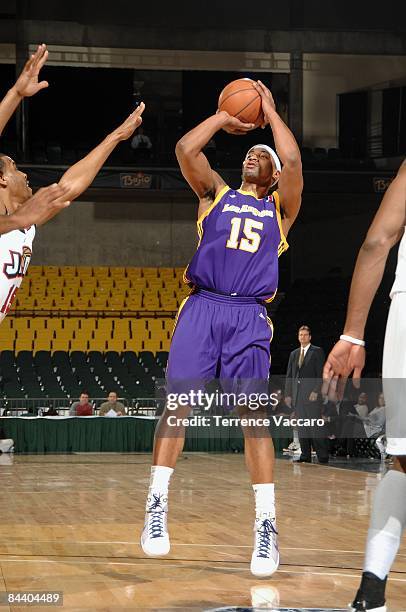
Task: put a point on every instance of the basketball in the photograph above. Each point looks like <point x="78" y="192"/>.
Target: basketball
<point x="240" y="99"/>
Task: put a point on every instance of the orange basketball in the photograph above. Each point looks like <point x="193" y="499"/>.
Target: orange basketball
<point x="241" y="100"/>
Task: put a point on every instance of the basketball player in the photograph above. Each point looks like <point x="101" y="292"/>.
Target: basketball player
<point x="15" y="193"/>
<point x="388" y="518"/>
<point x="47" y="200"/>
<point x="222" y="327"/>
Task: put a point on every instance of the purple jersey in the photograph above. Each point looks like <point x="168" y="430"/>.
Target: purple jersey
<point x="240" y="240"/>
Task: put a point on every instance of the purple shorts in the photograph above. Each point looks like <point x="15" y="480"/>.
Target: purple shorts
<point x="220" y="337"/>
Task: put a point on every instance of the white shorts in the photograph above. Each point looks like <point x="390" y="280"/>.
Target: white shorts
<point x="394" y="376"/>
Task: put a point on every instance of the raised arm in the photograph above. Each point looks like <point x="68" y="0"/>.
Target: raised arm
<point x="194" y="165"/>
<point x="385" y="231"/>
<point x="290" y="184"/>
<point x="78" y="178"/>
<point x="26" y="85"/>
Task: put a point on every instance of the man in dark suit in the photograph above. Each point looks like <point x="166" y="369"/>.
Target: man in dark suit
<point x="302" y="391"/>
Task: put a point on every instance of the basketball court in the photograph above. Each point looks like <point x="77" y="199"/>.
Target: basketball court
<point x="71" y="523"/>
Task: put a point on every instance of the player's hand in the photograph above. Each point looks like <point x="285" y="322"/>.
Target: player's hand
<point x="288" y="401"/>
<point x="236" y="127"/>
<point x="127" y="129"/>
<point x="268" y="103"/>
<point x="345" y="358"/>
<point x="27" y="83"/>
<point x="313" y="396"/>
<point x="46" y="201"/>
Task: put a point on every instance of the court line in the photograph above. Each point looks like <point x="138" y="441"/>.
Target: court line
<point x="105" y="562"/>
<point x="132" y="543"/>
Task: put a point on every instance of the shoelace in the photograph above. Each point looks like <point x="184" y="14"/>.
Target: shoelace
<point x="265" y="532"/>
<point x="157" y="513"/>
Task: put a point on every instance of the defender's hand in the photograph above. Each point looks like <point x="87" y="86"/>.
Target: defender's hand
<point x="343" y="359"/>
<point x="46" y="201"/>
<point x="27" y="83"/>
<point x="268" y="103"/>
<point x="313" y="396"/>
<point x="127" y="129"/>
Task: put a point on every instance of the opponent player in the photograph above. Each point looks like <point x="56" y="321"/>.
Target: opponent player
<point x="222" y="328"/>
<point x="15" y="192"/>
<point x="388" y="518"/>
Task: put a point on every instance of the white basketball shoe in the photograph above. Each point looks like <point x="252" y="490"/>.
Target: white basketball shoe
<point x="155" y="537"/>
<point x="265" y="556"/>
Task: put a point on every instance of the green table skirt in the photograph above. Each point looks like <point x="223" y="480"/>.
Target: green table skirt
<point x="101" y="434"/>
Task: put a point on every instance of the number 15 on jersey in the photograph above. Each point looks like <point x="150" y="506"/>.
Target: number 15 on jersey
<point x="250" y="240"/>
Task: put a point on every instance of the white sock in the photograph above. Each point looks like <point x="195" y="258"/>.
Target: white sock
<point x="296" y="436"/>
<point x="388" y="519"/>
<point x="264" y="499"/>
<point x="160" y="477"/>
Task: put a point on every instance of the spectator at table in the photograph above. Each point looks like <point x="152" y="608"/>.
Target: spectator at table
<point x="83" y="407"/>
<point x="112" y="404"/>
<point x="51" y="411"/>
<point x="6" y="444"/>
<point x="279" y="406"/>
<point x="374" y="422"/>
<point x="353" y="428"/>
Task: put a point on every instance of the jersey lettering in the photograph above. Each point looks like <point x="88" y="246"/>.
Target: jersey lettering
<point x="18" y="266"/>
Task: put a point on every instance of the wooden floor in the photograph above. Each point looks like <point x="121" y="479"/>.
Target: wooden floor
<point x="72" y="524"/>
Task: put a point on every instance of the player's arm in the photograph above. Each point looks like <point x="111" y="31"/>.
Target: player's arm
<point x="385" y="231"/>
<point x="47" y="201"/>
<point x="194" y="165"/>
<point x="26" y="85"/>
<point x="290" y="185"/>
<point x="78" y="178"/>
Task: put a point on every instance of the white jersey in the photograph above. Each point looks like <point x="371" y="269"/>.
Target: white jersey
<point x="399" y="286"/>
<point x="15" y="257"/>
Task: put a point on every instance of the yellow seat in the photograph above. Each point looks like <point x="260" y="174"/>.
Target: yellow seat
<point x="42" y="344"/>
<point x="63" y="303"/>
<point x="97" y="344"/>
<point x="60" y="344"/>
<point x="166" y="273"/>
<point x="20" y="323"/>
<point x="68" y="290"/>
<point x="150" y="272"/>
<point x="85" y="272"/>
<point x="23" y="344"/>
<point x="155" y="324"/>
<point x="79" y="344"/>
<point x="137" y="287"/>
<point x="68" y="270"/>
<point x="134" y="272"/>
<point x="134" y="344"/>
<point x="117" y="271"/>
<point x="44" y="302"/>
<point x="152" y="345"/>
<point x="38" y="287"/>
<point x="38" y="324"/>
<point x="50" y="270"/>
<point x="87" y="324"/>
<point x="122" y="326"/>
<point x="100" y="271"/>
